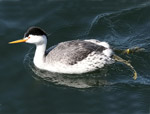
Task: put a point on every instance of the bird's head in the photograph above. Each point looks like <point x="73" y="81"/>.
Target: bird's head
<point x="34" y="35"/>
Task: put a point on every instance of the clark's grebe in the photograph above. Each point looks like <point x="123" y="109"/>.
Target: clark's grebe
<point x="70" y="57"/>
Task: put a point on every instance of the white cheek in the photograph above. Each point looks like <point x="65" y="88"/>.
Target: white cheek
<point x="30" y="40"/>
<point x="38" y="40"/>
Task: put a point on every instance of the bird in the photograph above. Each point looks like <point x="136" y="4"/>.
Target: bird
<point x="69" y="57"/>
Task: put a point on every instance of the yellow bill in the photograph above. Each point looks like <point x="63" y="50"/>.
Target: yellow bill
<point x="18" y="41"/>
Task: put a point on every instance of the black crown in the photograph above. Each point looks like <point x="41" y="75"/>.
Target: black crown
<point x="35" y="31"/>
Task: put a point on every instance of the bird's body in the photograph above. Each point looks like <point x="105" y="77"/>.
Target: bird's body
<point x="75" y="57"/>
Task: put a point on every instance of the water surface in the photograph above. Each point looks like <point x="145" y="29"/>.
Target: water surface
<point x="111" y="90"/>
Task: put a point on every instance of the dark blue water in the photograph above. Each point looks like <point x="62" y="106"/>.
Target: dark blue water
<point x="111" y="90"/>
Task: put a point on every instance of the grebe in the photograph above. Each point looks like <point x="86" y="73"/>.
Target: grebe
<point x="70" y="57"/>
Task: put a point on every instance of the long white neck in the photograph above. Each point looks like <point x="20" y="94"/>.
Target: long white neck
<point x="39" y="57"/>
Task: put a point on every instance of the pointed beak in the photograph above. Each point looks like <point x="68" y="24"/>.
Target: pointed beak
<point x="19" y="41"/>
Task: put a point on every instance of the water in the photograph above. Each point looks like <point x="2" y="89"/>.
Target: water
<point x="111" y="90"/>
